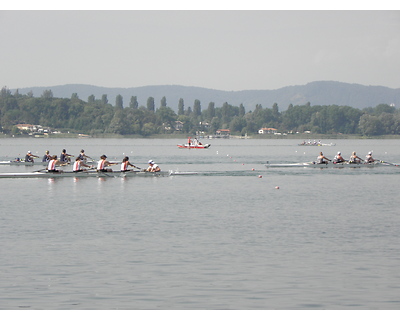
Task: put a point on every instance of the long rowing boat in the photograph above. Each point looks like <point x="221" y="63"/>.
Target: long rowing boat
<point x="91" y="173"/>
<point x="317" y="144"/>
<point x="346" y="164"/>
<point x="20" y="163"/>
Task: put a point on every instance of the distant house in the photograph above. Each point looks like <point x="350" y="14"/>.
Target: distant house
<point x="223" y="132"/>
<point x="26" y="127"/>
<point x="267" y="131"/>
<point x="205" y="125"/>
<point x="178" y="125"/>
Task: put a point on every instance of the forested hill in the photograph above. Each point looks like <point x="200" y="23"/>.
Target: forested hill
<point x="317" y="93"/>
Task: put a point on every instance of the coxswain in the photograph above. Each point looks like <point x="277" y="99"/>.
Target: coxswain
<point x="53" y="163"/>
<point x="321" y="159"/>
<point x="65" y="157"/>
<point x="354" y="158"/>
<point x="103" y="164"/>
<point x="368" y="158"/>
<point x="338" y="158"/>
<point x="125" y="164"/>
<point x="78" y="164"/>
<point x="153" y="167"/>
<point x="29" y="157"/>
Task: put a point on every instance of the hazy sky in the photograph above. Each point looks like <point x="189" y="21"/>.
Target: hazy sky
<point x="226" y="50"/>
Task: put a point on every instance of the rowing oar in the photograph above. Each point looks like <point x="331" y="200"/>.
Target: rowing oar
<point x="103" y="173"/>
<point x="389" y="163"/>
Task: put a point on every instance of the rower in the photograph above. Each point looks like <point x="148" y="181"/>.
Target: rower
<point x="83" y="156"/>
<point x="51" y="167"/>
<point x="321" y="159"/>
<point x="354" y="158"/>
<point x="369" y="158"/>
<point x="78" y="164"/>
<point x="65" y="157"/>
<point x="153" y="167"/>
<point x="104" y="163"/>
<point x="125" y="163"/>
<point x="338" y="158"/>
<point x="29" y="157"/>
<point x="47" y="157"/>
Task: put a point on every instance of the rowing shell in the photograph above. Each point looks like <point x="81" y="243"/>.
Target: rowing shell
<point x="317" y="144"/>
<point x="64" y="174"/>
<point x="20" y="163"/>
<point x="331" y="165"/>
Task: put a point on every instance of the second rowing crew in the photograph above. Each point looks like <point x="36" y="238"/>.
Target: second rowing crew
<point x="102" y="165"/>
<point x="321" y="159"/>
<point x="65" y="158"/>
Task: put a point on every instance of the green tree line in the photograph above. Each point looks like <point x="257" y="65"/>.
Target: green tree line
<point x="98" y="116"/>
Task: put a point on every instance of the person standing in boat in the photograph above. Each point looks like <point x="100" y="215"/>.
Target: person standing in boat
<point x="321" y="159"/>
<point x="29" y="157"/>
<point x="46" y="157"/>
<point x="354" y="158"/>
<point x="125" y="164"/>
<point x="103" y="164"/>
<point x="153" y="167"/>
<point x="338" y="158"/>
<point x="65" y="157"/>
<point x="369" y="158"/>
<point x="78" y="164"/>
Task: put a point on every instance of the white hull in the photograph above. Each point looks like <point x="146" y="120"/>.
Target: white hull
<point x="21" y="163"/>
<point x="330" y="165"/>
<point x="317" y="144"/>
<point x="186" y="146"/>
<point x="45" y="174"/>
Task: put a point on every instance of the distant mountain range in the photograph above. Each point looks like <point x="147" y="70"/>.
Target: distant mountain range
<point x="316" y="93"/>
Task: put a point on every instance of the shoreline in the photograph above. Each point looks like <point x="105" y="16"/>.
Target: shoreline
<point x="301" y="137"/>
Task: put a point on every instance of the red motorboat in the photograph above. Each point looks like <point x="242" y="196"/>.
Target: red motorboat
<point x="194" y="144"/>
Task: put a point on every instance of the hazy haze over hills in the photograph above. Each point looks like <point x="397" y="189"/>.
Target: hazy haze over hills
<point x="317" y="93"/>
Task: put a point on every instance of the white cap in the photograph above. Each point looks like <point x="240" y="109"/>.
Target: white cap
<point x="151" y="161"/>
<point x="29" y="152"/>
<point x="338" y="152"/>
<point x="370" y="152"/>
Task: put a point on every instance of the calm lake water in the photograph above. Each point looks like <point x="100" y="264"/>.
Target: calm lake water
<point x="225" y="238"/>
